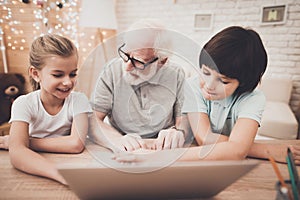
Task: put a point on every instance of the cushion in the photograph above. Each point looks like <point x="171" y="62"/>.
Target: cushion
<point x="278" y="121"/>
<point x="277" y="89"/>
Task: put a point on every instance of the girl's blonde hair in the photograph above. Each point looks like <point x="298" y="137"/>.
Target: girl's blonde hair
<point x="46" y="46"/>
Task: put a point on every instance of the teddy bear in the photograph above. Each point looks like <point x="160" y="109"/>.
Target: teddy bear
<point x="12" y="85"/>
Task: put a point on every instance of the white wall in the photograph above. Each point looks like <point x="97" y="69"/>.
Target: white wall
<point x="282" y="42"/>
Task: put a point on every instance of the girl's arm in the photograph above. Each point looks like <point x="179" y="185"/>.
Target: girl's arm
<point x="73" y="143"/>
<point x="27" y="160"/>
<point x="236" y="147"/>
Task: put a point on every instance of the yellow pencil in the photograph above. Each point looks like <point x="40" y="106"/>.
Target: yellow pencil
<point x="277" y="172"/>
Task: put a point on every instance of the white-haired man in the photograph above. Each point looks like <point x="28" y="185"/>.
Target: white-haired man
<point x="141" y="93"/>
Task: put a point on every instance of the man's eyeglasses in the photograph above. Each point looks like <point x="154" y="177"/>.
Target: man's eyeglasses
<point x="136" y="63"/>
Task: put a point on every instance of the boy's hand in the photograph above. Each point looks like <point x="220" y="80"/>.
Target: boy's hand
<point x="296" y="153"/>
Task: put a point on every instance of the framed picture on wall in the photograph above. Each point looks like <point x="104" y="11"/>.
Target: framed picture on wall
<point x="273" y="14"/>
<point x="203" y="21"/>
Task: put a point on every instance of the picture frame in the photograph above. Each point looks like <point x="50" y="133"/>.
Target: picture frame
<point x="273" y="15"/>
<point x="203" y="21"/>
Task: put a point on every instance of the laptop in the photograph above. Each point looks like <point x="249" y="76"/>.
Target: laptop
<point x="180" y="180"/>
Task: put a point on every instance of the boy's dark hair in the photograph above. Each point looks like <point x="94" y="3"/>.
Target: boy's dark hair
<point x="236" y="53"/>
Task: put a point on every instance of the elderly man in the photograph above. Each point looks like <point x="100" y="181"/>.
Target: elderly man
<point x="141" y="93"/>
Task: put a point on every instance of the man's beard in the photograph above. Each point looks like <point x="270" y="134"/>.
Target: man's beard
<point x="136" y="77"/>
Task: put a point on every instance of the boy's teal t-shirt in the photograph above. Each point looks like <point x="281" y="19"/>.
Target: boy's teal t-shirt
<point x="223" y="114"/>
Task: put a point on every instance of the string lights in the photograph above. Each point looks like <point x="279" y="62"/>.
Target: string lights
<point x="48" y="16"/>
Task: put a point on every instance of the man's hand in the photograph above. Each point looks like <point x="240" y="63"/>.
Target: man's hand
<point x="129" y="142"/>
<point x="4" y="142"/>
<point x="169" y="139"/>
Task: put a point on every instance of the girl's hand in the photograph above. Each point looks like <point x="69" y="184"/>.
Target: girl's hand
<point x="4" y="142"/>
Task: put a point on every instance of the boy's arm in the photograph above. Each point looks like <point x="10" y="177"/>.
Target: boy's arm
<point x="27" y="160"/>
<point x="235" y="147"/>
<point x="201" y="129"/>
<point x="277" y="149"/>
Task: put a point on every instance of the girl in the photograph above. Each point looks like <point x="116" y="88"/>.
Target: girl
<point x="52" y="118"/>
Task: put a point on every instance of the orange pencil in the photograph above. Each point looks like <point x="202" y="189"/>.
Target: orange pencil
<point x="275" y="167"/>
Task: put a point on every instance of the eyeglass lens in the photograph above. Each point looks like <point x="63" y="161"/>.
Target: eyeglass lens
<point x="136" y="63"/>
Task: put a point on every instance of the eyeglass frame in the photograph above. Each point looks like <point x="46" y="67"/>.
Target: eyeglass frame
<point x="133" y="60"/>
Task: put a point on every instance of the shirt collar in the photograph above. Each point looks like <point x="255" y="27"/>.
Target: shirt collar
<point x="226" y="102"/>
